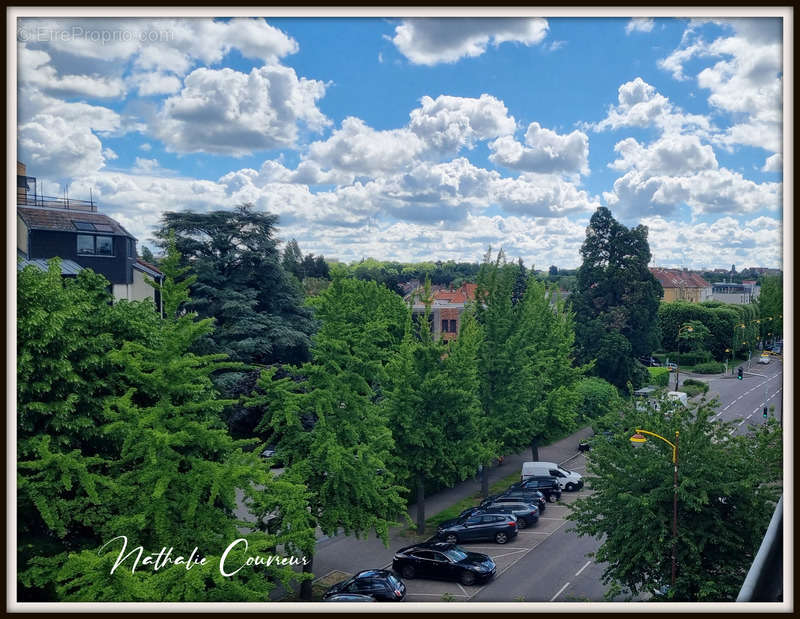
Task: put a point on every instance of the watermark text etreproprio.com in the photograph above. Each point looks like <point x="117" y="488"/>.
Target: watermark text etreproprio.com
<point x="34" y="34"/>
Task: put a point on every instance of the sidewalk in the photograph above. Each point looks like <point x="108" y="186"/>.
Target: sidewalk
<point x="349" y="555"/>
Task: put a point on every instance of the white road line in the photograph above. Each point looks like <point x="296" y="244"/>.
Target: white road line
<point x="438" y="595"/>
<point x="462" y="589"/>
<point x="559" y="592"/>
<point x="583" y="568"/>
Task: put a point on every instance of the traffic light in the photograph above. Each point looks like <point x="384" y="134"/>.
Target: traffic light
<point x="740" y="375"/>
<point x="765" y="413"/>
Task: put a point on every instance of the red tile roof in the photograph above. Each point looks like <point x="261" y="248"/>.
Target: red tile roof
<point x="675" y="278"/>
<point x="460" y="295"/>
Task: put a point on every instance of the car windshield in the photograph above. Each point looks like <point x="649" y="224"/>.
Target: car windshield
<point x="456" y="554"/>
<point x="393" y="581"/>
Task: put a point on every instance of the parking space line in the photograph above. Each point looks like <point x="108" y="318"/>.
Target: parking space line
<point x="583" y="568"/>
<point x="559" y="592"/>
<point x="462" y="589"/>
<point x="438" y="595"/>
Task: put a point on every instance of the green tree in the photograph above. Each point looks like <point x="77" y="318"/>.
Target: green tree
<point x="598" y="398"/>
<point x="433" y="407"/>
<point x="527" y="374"/>
<point x="727" y="489"/>
<point x="328" y="425"/>
<point x="292" y="260"/>
<point x="616" y="300"/>
<point x="770" y="307"/>
<point x="258" y="312"/>
<point x="150" y="459"/>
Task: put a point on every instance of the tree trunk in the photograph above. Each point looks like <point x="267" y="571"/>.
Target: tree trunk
<point x="420" y="504"/>
<point x="305" y="586"/>
<point x="485" y="480"/>
<point x="534" y="450"/>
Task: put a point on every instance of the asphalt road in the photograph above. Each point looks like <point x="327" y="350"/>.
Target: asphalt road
<point x="558" y="570"/>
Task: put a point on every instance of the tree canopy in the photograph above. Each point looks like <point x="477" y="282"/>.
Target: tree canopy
<point x="325" y="415"/>
<point x="136" y="448"/>
<point x="258" y="309"/>
<point x="728" y="486"/>
<point x="433" y="408"/>
<point x="616" y="300"/>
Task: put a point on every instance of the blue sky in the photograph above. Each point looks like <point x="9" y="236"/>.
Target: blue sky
<point x="420" y="139"/>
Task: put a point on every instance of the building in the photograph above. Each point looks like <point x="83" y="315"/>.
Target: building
<point x="682" y="285"/>
<point x="446" y="308"/>
<point x="83" y="238"/>
<point x="732" y="292"/>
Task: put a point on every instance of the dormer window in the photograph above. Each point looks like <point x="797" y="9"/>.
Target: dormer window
<point x="95" y="245"/>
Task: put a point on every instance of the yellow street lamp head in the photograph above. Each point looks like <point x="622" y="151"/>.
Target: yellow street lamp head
<point x="638" y="439"/>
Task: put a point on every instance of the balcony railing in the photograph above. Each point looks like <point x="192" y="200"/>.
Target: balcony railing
<point x="764" y="582"/>
<point x="56" y="202"/>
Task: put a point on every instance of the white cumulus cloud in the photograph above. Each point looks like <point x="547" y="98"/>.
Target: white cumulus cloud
<point x="229" y="112"/>
<point x="430" y="41"/>
<point x="544" y="151"/>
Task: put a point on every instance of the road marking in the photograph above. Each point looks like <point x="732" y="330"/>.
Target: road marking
<point x="438" y="595"/>
<point x="559" y="592"/>
<point x="583" y="568"/>
<point x="462" y="589"/>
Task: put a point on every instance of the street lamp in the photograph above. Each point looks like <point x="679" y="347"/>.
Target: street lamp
<point x="638" y="439"/>
<point x="688" y="329"/>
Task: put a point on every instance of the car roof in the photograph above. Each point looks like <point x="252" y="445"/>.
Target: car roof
<point x="368" y="573"/>
<point x="429" y="545"/>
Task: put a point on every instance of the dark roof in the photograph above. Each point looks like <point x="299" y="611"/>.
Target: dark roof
<point x="64" y="220"/>
<point x="68" y="267"/>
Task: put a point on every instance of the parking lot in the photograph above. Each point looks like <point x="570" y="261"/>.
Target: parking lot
<point x="504" y="555"/>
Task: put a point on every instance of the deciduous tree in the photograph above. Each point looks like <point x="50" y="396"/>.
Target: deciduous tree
<point x="727" y="489"/>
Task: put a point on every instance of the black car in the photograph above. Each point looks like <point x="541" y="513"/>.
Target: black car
<point x="382" y="585"/>
<point x="545" y="484"/>
<point x="443" y="561"/>
<point x="479" y="526"/>
<point x="348" y="597"/>
<point x="526" y="513"/>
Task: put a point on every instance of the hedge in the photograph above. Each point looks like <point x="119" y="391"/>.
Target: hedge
<point x="712" y="367"/>
<point x="659" y="376"/>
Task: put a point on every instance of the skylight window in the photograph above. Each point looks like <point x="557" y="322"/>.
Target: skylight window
<point x="103" y="228"/>
<point x="84" y="225"/>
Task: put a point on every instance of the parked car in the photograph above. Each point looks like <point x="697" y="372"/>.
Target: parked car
<point x="547" y="485"/>
<point x="534" y="497"/>
<point x="479" y="526"/>
<point x="382" y="585"/>
<point x="567" y="480"/>
<point x="527" y="513"/>
<point x="443" y="561"/>
<point x="672" y="366"/>
<point x="348" y="597"/>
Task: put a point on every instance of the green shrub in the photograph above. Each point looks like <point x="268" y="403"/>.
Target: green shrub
<point x="712" y="367"/>
<point x="691" y="357"/>
<point x="598" y="397"/>
<point x="659" y="376"/>
<point x="692" y="390"/>
<point x="696" y="383"/>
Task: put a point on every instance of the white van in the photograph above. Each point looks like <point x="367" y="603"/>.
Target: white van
<point x="567" y="480"/>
